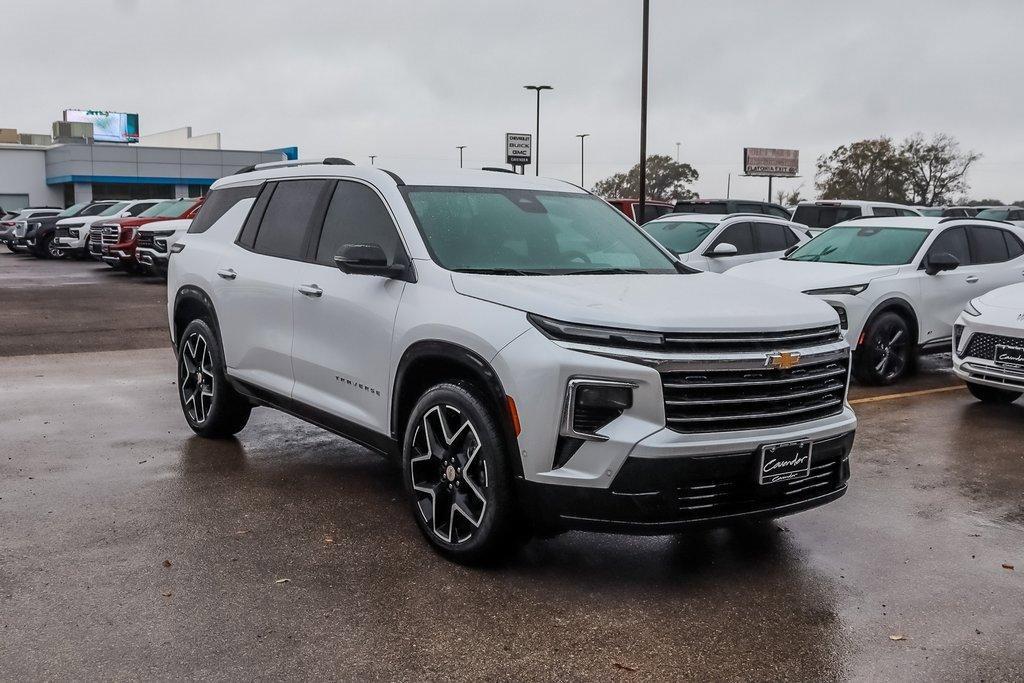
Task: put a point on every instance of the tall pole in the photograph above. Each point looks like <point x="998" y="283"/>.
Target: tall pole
<point x="677" y="151"/>
<point x="770" y="189"/>
<point x="728" y="186"/>
<point x="460" y="148"/>
<point x="582" y="137"/>
<point x="536" y="139"/>
<point x="372" y="157"/>
<point x="643" y="115"/>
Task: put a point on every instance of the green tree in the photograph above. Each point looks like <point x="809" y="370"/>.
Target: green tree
<point x="874" y="170"/>
<point x="666" y="179"/>
<point x="788" y="198"/>
<point x="937" y="168"/>
<point x="982" y="202"/>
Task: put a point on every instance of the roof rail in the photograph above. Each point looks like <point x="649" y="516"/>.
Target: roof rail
<point x="288" y="163"/>
<point x="974" y="218"/>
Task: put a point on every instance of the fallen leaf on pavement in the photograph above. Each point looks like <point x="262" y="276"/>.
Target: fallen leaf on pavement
<point x="1008" y="566"/>
<point x="167" y="563"/>
<point x="897" y="637"/>
<point x="283" y="581"/>
<point x="167" y="595"/>
<point x="328" y="539"/>
<point x="624" y="667"/>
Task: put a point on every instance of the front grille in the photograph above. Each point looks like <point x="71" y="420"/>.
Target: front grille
<point x="147" y="240"/>
<point x="710" y="400"/>
<point x="111" y="233"/>
<point x="715" y="342"/>
<point x="95" y="239"/>
<point x="62" y="232"/>
<point x="984" y="345"/>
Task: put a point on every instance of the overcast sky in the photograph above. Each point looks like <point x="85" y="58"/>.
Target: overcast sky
<point x="408" y="81"/>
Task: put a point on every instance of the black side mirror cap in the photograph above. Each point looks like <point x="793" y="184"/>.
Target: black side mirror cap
<point x="370" y="259"/>
<point x="936" y="263"/>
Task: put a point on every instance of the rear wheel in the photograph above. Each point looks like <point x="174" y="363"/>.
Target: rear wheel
<point x="456" y="474"/>
<point x="887" y="352"/>
<point x="211" y="406"/>
<point x="988" y="394"/>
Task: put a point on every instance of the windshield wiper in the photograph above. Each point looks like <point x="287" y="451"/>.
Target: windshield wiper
<point x="607" y="271"/>
<point x="500" y="271"/>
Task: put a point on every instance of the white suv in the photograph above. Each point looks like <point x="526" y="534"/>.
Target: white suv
<point x="519" y="346"/>
<point x="988" y="345"/>
<point x="718" y="243"/>
<point x="823" y="214"/>
<point x="73" y="234"/>
<point x="155" y="241"/>
<point x="898" y="283"/>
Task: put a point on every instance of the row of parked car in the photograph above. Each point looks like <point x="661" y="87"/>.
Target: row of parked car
<point x="132" y="235"/>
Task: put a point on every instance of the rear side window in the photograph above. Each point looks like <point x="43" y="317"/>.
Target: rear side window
<point x="883" y="211"/>
<point x="750" y="208"/>
<point x="822" y="217"/>
<point x="1014" y="247"/>
<point x="778" y="211"/>
<point x="988" y="245"/>
<point x="139" y="208"/>
<point x="285" y="223"/>
<point x="356" y="215"/>
<point x="740" y="236"/>
<point x="952" y="241"/>
<point x="703" y="207"/>
<point x="217" y="204"/>
<point x="907" y="212"/>
<point x="651" y="211"/>
<point x="772" y="237"/>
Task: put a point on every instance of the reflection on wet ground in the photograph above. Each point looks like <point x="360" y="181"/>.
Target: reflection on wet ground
<point x="102" y="483"/>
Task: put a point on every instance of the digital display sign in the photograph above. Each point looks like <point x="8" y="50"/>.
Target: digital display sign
<point x="107" y="126"/>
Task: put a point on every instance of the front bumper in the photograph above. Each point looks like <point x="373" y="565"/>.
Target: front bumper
<point x="979" y="370"/>
<point x="665" y="495"/>
<point x="151" y="257"/>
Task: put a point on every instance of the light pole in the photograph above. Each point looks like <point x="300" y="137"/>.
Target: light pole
<point x="582" y="137"/>
<point x="677" y="151"/>
<point x="643" y="113"/>
<point x="372" y="157"/>
<point x="460" y="148"/>
<point x="536" y="141"/>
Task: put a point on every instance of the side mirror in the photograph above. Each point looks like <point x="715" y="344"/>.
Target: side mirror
<point x="936" y="263"/>
<point x="724" y="249"/>
<point x="369" y="259"/>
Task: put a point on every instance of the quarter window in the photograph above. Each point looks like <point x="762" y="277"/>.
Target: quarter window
<point x="285" y="223"/>
<point x="988" y="245"/>
<point x="356" y="215"/>
<point x="740" y="236"/>
<point x="218" y="203"/>
<point x="1014" y="247"/>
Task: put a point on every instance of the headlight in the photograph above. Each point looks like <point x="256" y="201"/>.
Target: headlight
<point x="592" y="334"/>
<point x="849" y="290"/>
<point x="73" y="233"/>
<point x="971" y="310"/>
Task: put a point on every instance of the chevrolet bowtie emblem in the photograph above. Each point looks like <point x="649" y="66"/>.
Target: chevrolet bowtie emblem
<point x="782" y="361"/>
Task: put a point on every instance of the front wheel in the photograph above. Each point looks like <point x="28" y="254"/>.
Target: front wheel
<point x="887" y="351"/>
<point x="211" y="406"/>
<point x="456" y="474"/>
<point x="987" y="394"/>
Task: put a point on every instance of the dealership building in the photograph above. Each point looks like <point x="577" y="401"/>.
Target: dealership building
<point x="72" y="166"/>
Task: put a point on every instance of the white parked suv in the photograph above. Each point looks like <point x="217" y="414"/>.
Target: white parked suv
<point x="1010" y="214"/>
<point x="519" y="346"/>
<point x="823" y="214"/>
<point x="717" y="243"/>
<point x="988" y="345"/>
<point x="153" y="248"/>
<point x="73" y="234"/>
<point x="898" y="283"/>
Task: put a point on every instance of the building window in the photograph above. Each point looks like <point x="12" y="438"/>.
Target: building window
<point x="197" y="190"/>
<point x="132" y="191"/>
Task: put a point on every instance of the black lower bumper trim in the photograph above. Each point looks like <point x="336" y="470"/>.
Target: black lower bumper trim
<point x="666" y="495"/>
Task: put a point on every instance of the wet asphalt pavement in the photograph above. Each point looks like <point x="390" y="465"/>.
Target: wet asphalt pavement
<point x="130" y="548"/>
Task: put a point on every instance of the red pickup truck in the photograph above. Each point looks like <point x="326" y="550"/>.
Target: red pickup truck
<point x="114" y="242"/>
<point x="653" y="208"/>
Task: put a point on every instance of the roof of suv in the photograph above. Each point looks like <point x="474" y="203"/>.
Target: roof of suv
<point x="718" y="217"/>
<point x="432" y="177"/>
<point x="852" y="202"/>
<point x="919" y="222"/>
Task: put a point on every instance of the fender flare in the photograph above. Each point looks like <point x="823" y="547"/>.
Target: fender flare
<point x="194" y="293"/>
<point x="901" y="304"/>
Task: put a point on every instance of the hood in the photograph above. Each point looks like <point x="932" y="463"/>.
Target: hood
<point x="1005" y="297"/>
<point x="664" y="303"/>
<point x="136" y="221"/>
<point x="172" y="224"/>
<point x="799" y="276"/>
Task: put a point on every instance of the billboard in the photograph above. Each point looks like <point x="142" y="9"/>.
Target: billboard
<point x="518" y="149"/>
<point x="107" y="126"/>
<point x="761" y="161"/>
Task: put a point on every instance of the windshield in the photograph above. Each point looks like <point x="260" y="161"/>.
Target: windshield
<point x="681" y="237"/>
<point x="994" y="214"/>
<point x="865" y="246"/>
<point x="172" y="208"/>
<point x="114" y="209"/>
<point x="931" y="212"/>
<point x="72" y="210"/>
<point x="528" y="232"/>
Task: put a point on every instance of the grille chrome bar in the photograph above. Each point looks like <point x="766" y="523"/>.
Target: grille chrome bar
<point x="756" y="416"/>
<point x="756" y="383"/>
<point x="757" y="399"/>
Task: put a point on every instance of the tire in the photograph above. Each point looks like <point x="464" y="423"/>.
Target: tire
<point x="456" y="475"/>
<point x="211" y="406"/>
<point x="11" y="248"/>
<point x="887" y="353"/>
<point x="48" y="250"/>
<point x="987" y="394"/>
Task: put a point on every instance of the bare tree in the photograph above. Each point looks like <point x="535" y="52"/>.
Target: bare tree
<point x="937" y="168"/>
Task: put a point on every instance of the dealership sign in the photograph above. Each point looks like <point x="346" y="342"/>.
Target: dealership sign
<point x="771" y="162"/>
<point x="518" y="149"/>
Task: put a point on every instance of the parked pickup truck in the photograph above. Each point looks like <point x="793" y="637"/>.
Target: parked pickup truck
<point x="114" y="242"/>
<point x="71" y="234"/>
<point x="154" y="242"/>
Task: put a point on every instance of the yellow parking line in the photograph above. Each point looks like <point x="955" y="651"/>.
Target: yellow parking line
<point x="907" y="394"/>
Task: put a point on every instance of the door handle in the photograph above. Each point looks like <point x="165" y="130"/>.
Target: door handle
<point x="972" y="279"/>
<point x="311" y="290"/>
<point x="227" y="273"/>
